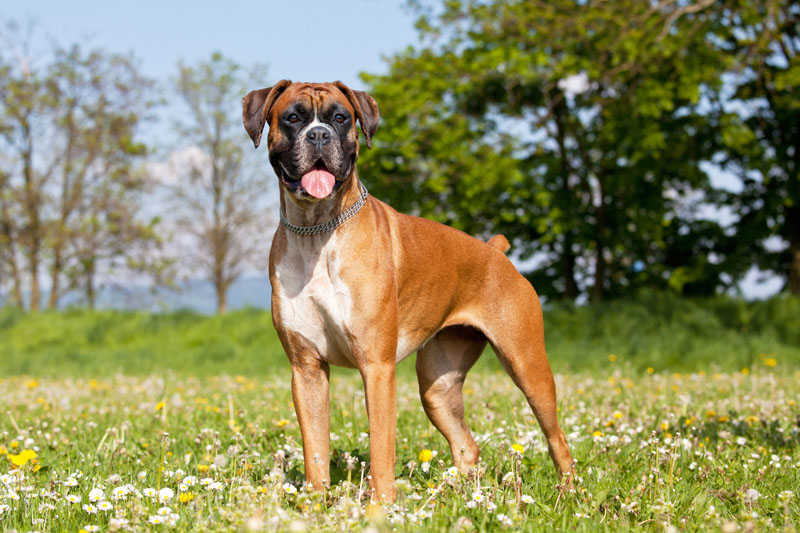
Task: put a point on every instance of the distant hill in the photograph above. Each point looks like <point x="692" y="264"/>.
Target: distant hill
<point x="197" y="295"/>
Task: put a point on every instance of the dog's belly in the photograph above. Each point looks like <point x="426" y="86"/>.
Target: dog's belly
<point x="316" y="304"/>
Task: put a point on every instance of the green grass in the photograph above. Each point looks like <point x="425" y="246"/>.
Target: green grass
<point x="679" y="413"/>
<point x="654" y="330"/>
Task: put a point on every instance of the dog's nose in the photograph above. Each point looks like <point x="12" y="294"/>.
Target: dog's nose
<point x="319" y="136"/>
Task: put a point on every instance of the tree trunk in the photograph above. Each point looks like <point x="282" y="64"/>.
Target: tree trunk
<point x="568" y="263"/>
<point x="222" y="297"/>
<point x="68" y="200"/>
<point x="55" y="271"/>
<point x="91" y="292"/>
<point x="34" y="225"/>
<point x="567" y="256"/>
<point x="16" y="287"/>
<point x="598" y="289"/>
<point x="794" y="270"/>
<point x="793" y="219"/>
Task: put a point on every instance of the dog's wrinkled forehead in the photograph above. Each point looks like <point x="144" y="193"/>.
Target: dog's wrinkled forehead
<point x="312" y="96"/>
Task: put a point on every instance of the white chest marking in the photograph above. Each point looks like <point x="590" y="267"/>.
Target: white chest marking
<point x="314" y="301"/>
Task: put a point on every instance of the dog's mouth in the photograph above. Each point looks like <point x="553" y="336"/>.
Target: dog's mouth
<point x="318" y="181"/>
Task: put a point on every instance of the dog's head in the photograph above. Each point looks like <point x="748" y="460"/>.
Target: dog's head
<point x="312" y="140"/>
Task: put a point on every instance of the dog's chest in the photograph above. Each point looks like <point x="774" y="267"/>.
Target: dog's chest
<point x="315" y="302"/>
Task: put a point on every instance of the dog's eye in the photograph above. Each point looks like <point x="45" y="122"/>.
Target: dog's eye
<point x="339" y="118"/>
<point x="293" y="118"/>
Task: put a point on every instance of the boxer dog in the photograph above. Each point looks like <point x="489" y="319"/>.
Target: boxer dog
<point x="357" y="284"/>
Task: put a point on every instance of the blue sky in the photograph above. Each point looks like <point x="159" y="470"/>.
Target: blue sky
<point x="303" y="40"/>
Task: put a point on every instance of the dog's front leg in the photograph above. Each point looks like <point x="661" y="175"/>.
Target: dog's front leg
<point x="381" y="397"/>
<point x="311" y="394"/>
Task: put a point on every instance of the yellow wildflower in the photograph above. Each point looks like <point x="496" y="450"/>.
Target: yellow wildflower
<point x="160" y="406"/>
<point x="745" y="371"/>
<point x="202" y="468"/>
<point x="771" y="362"/>
<point x="22" y="457"/>
<point x="650" y="369"/>
<point x="282" y="422"/>
<point x="425" y="456"/>
<point x="612" y="357"/>
<point x="185" y="497"/>
<point x="517" y="447"/>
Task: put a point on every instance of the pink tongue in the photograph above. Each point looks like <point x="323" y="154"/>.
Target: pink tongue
<point x="318" y="183"/>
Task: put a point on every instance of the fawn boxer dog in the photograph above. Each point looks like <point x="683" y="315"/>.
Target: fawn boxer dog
<point x="357" y="284"/>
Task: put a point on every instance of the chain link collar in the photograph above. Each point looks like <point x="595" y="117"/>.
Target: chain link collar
<point x="333" y="223"/>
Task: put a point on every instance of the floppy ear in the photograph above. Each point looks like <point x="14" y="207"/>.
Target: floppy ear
<point x="366" y="110"/>
<point x="256" y="106"/>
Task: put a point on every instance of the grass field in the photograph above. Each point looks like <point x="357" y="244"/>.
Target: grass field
<point x="680" y="414"/>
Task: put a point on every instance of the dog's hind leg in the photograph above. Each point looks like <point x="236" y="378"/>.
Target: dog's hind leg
<point x="442" y="365"/>
<point x="521" y="352"/>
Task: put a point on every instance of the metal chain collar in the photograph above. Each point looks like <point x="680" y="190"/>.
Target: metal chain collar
<point x="333" y="223"/>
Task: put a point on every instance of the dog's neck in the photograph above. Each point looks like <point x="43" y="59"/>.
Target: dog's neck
<point x="313" y="212"/>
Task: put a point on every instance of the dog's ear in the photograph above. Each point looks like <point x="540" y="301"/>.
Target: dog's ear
<point x="366" y="110"/>
<point x="256" y="106"/>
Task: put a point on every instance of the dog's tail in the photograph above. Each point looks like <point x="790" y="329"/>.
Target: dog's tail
<point x="499" y="242"/>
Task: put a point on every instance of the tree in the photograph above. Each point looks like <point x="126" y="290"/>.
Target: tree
<point x="23" y="101"/>
<point x="760" y="128"/>
<point x="220" y="198"/>
<point x="100" y="101"/>
<point x="577" y="127"/>
<point x="69" y="135"/>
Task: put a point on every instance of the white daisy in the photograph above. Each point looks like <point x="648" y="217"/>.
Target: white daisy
<point x="165" y="494"/>
<point x="105" y="506"/>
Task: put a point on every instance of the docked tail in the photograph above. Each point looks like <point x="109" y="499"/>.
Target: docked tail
<point x="499" y="242"/>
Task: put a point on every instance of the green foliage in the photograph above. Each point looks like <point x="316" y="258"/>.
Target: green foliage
<point x="574" y="128"/>
<point x="103" y="343"/>
<point x="658" y="330"/>
<point x="666" y="332"/>
<point x="760" y="144"/>
<point x="580" y="130"/>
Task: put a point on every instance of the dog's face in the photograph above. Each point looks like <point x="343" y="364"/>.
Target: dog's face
<point x="312" y="140"/>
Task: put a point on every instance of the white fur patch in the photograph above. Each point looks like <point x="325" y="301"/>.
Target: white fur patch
<point x="313" y="123"/>
<point x="314" y="301"/>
